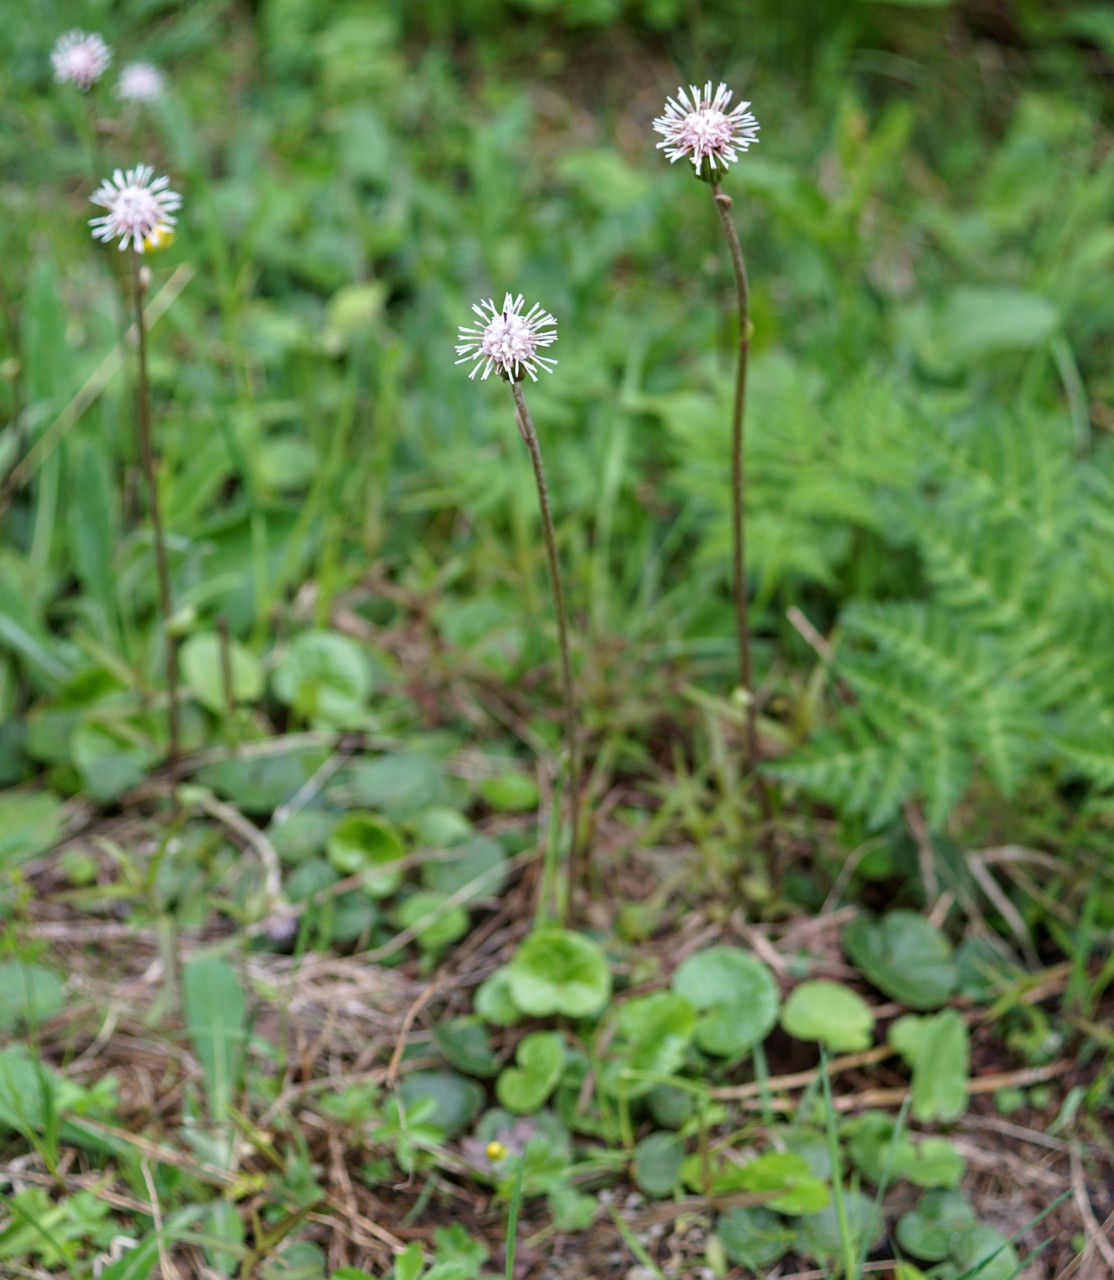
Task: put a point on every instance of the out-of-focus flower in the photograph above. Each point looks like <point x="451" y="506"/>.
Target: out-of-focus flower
<point x="507" y="341"/>
<point x="157" y="242"/>
<point x="80" y="58"/>
<point x="508" y="1143"/>
<point x="140" y="208"/>
<point x="699" y="125"/>
<point x="140" y="82"/>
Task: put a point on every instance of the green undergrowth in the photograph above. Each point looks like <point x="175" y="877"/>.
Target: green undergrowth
<point x="328" y="1014"/>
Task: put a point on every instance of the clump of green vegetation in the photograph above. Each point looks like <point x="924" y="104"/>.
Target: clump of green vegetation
<point x="294" y="981"/>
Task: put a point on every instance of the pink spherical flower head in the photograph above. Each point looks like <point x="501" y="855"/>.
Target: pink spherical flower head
<point x="140" y="82"/>
<point x="699" y="125"/>
<point x="507" y="341"/>
<point x="139" y="209"/>
<point x="80" y="58"/>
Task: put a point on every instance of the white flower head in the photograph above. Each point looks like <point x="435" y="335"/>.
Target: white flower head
<point x="80" y="58"/>
<point x="507" y="341"/>
<point x="699" y="125"/>
<point x="139" y="209"/>
<point x="140" y="82"/>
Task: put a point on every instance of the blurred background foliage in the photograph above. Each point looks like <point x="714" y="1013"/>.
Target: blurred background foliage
<point x="928" y="222"/>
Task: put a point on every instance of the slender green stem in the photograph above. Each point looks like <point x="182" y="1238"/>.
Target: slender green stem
<point x="572" y="731"/>
<point x="162" y="564"/>
<point x="738" y="474"/>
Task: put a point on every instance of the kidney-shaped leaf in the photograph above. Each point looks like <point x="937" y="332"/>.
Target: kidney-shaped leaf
<point x="557" y="971"/>
<point x="754" y="1237"/>
<point x="541" y="1059"/>
<point x="830" y="1013"/>
<point x="905" y="956"/>
<point x="737" y="995"/>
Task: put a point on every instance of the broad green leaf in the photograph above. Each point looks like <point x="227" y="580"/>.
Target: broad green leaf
<point x="653" y="1034"/>
<point x="881" y="1154"/>
<point x="754" y="1237"/>
<point x="493" y="1001"/>
<point x="820" y="1235"/>
<point x="467" y="1045"/>
<point x="216" y="1022"/>
<point x="657" y="1164"/>
<point x="481" y="860"/>
<point x="977" y="321"/>
<point x="455" y="1100"/>
<point x="93" y="534"/>
<point x="29" y="994"/>
<point x="983" y="1253"/>
<point x="799" y="1190"/>
<point x="830" y="1013"/>
<point x="222" y="1222"/>
<point x="202" y="671"/>
<point x="905" y="956"/>
<point x="736" y="994"/>
<point x="325" y="678"/>
<point x="937" y="1048"/>
<point x="510" y="792"/>
<point x="927" y="1230"/>
<point x="366" y="845"/>
<point x="447" y="925"/>
<point x="259" y="784"/>
<point x="557" y="971"/>
<point x="540" y="1060"/>
<point x="30" y="823"/>
<point x="402" y="786"/>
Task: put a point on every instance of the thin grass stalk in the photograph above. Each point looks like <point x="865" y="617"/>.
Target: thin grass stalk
<point x="162" y="564"/>
<point x="572" y="727"/>
<point x="738" y="476"/>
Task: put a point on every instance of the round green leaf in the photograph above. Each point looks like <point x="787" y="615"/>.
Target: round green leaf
<point x="448" y="924"/>
<point x="403" y="786"/>
<point x="363" y="844"/>
<point x="202" y="671"/>
<point x="540" y="1060"/>
<point x="29" y="994"/>
<point x="830" y="1013"/>
<point x="324" y="678"/>
<point x="654" y="1032"/>
<point x="456" y="1101"/>
<point x="557" y="971"/>
<point x="737" y="995"/>
<point x="493" y="1000"/>
<point x="302" y="834"/>
<point x="466" y="1044"/>
<point x="980" y="1250"/>
<point x="905" y="956"/>
<point x="670" y="1107"/>
<point x="820" y="1234"/>
<point x="481" y="860"/>
<point x="287" y="463"/>
<point x="755" y="1237"/>
<point x="657" y="1164"/>
<point x="510" y="792"/>
<point x="799" y="1190"/>
<point x="928" y="1230"/>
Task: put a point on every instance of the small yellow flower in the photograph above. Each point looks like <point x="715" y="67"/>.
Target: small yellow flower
<point x="156" y="241"/>
<point x="496" y="1151"/>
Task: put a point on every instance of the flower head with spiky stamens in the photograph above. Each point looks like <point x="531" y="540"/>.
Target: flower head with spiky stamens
<point x="139" y="210"/>
<point x="507" y="341"/>
<point x="699" y="125"/>
<point x="80" y="58"/>
<point x="140" y="82"/>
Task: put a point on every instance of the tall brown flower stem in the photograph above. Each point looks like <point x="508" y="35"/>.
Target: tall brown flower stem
<point x="162" y="564"/>
<point x="572" y="728"/>
<point x="738" y="475"/>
